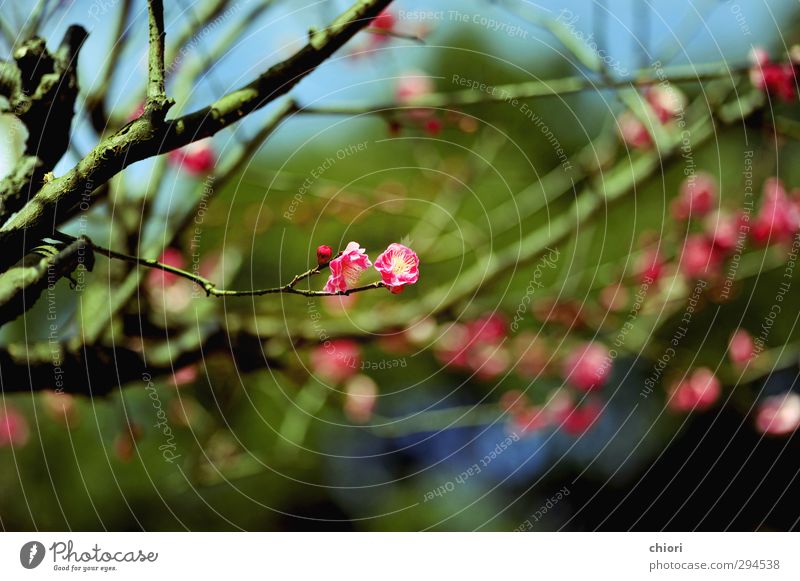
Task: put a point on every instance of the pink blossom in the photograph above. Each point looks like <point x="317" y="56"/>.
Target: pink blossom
<point x="633" y="131"/>
<point x="433" y="126"/>
<point x="723" y="230"/>
<point x="196" y="158"/>
<point x="184" y="375"/>
<point x="339" y="305"/>
<point x="476" y="346"/>
<point x="488" y="361"/>
<point x="385" y="22"/>
<point x="324" y="254"/>
<point x="699" y="257"/>
<point x="346" y="269"/>
<point x="361" y="397"/>
<point x="336" y="360"/>
<point x="774" y="78"/>
<point x="697" y="197"/>
<point x="666" y="102"/>
<point x="741" y="348"/>
<point x="578" y="419"/>
<point x="698" y="392"/>
<point x="779" y="415"/>
<point x="13" y="428"/>
<point x="650" y="266"/>
<point x="588" y="366"/>
<point x="779" y="218"/>
<point x="398" y="267"/>
<point x="489" y="328"/>
<point x="411" y="86"/>
<point x="159" y="279"/>
<point x="451" y="348"/>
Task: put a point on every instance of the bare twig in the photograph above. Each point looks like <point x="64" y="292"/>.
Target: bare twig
<point x="211" y="288"/>
<point x="157" y="102"/>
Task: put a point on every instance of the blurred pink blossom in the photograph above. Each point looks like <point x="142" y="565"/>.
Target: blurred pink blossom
<point x="699" y="392"/>
<point x="587" y="366"/>
<point x="361" y="397"/>
<point x="779" y="415"/>
<point x="13" y="428"/>
<point x="697" y="196"/>
<point x="740" y="347"/>
<point x="334" y="361"/>
<point x="197" y="158"/>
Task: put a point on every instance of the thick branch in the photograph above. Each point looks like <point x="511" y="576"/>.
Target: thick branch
<point x="101" y="369"/>
<point x="138" y="140"/>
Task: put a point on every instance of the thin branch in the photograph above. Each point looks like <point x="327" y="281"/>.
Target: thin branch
<point x="96" y="101"/>
<point x="535" y="89"/>
<point x="211" y="288"/>
<point x="157" y="102"/>
<point x="210" y="11"/>
<point x="393" y="34"/>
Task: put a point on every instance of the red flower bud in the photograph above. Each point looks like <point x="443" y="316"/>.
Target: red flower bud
<point x="324" y="254"/>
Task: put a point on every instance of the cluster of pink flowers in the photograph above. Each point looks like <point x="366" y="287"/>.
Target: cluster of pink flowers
<point x="398" y="267"/>
<point x="412" y="86"/>
<point x="777" y="79"/>
<point x="476" y="346"/>
<point x="698" y="392"/>
<point x="561" y="411"/>
<point x="777" y="221"/>
<point x="588" y="366"/>
<point x="383" y="27"/>
<point x="665" y="101"/>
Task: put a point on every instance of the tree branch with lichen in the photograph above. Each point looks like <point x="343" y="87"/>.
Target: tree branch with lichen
<point x="59" y="199"/>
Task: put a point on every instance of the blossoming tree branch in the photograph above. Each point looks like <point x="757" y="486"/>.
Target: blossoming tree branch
<point x="711" y="246"/>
